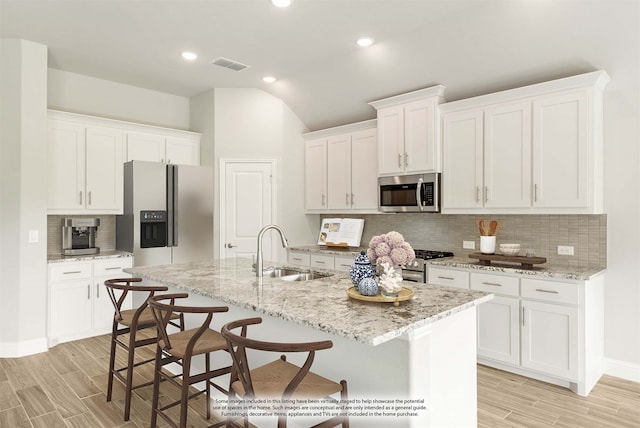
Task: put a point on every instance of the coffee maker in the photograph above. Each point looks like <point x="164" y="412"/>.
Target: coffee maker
<point x="79" y="236"/>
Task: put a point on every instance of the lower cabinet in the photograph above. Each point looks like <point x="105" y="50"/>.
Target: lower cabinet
<point x="79" y="305"/>
<point x="320" y="261"/>
<point x="548" y="329"/>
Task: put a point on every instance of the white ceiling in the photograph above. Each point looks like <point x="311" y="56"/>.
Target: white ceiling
<point x="470" y="46"/>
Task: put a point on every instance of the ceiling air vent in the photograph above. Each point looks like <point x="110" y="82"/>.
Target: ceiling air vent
<point x="228" y="63"/>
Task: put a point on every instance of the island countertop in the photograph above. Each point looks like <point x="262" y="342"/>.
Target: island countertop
<point x="321" y="303"/>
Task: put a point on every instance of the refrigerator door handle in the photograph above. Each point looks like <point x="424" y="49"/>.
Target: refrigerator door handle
<point x="172" y="195"/>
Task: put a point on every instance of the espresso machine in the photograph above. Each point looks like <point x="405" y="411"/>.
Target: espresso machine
<point x="79" y="236"/>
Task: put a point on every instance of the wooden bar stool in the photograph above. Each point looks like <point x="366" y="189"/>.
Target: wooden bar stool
<point x="180" y="348"/>
<point x="280" y="379"/>
<point x="131" y="321"/>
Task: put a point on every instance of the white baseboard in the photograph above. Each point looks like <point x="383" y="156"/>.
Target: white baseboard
<point x="24" y="348"/>
<point x="622" y="369"/>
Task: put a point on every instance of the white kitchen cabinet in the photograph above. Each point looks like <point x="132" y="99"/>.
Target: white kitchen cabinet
<point x="343" y="264"/>
<point x="538" y="149"/>
<point x="321" y="261"/>
<point x="315" y="173"/>
<point x="448" y="277"/>
<point x="299" y="259"/>
<point x="79" y="305"/>
<point x="340" y="169"/>
<point x="563" y="151"/>
<point x="550" y="339"/>
<point x="487" y="156"/>
<point x="158" y="146"/>
<point x="85" y="170"/>
<point x="408" y="132"/>
<point x="499" y="329"/>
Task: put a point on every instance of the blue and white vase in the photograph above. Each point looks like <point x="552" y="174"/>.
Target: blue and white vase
<point x="362" y="268"/>
<point x="368" y="286"/>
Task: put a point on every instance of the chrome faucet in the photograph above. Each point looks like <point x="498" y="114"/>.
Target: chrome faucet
<point x="285" y="244"/>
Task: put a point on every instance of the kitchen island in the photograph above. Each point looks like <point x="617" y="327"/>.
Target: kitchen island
<point x="411" y="365"/>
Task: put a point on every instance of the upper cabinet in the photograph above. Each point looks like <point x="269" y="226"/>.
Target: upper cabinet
<point x="86" y="156"/>
<point x="408" y="132"/>
<point x="341" y="169"/>
<point x="84" y="168"/>
<point x="536" y="149"/>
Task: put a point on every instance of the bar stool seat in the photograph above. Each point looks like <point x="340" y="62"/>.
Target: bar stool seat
<point x="131" y="322"/>
<point x="280" y="380"/>
<point x="180" y="348"/>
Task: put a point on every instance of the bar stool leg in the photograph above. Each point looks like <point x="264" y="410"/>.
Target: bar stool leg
<point x="130" y="362"/>
<point x="156" y="388"/>
<point x="184" y="404"/>
<point x="112" y="360"/>
<point x="207" y="359"/>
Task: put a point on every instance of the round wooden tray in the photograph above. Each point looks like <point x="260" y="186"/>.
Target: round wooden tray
<point x="404" y="294"/>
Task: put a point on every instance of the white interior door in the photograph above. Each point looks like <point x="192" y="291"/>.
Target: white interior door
<point x="247" y="198"/>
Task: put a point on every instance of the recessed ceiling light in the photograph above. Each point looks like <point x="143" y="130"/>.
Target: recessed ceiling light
<point x="269" y="79"/>
<point x="364" y="41"/>
<point x="281" y="3"/>
<point x="189" y="56"/>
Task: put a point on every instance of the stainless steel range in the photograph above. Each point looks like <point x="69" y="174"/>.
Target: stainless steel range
<point x="416" y="271"/>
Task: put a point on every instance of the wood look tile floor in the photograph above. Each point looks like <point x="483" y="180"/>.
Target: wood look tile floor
<point x="66" y="387"/>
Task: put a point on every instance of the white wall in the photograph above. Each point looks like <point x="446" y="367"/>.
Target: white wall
<point x="87" y="95"/>
<point x="23" y="197"/>
<point x="251" y="124"/>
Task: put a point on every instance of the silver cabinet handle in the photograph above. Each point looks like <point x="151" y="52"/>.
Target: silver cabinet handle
<point x="88" y="291"/>
<point x="535" y="193"/>
<point x="230" y="245"/>
<point x="71" y="272"/>
<point x="406" y="159"/>
<point x="323" y="199"/>
<point x="523" y="322"/>
<point x="347" y="199"/>
<point x="542" y="290"/>
<point x="486" y="194"/>
<point x="113" y="268"/>
<point x="353" y="199"/>
<point x="495" y="284"/>
<point x="399" y="160"/>
<point x="168" y="160"/>
<point x="81" y="197"/>
<point x="446" y="277"/>
<point x="98" y="290"/>
<point x="320" y="262"/>
<point x="298" y="259"/>
<point x="89" y="197"/>
<point x="477" y="193"/>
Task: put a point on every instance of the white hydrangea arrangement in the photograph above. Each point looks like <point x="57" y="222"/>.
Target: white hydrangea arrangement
<point x="390" y="280"/>
<point x="390" y="248"/>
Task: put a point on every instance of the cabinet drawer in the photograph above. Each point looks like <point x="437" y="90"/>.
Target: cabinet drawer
<point x="448" y="277"/>
<point x="111" y="267"/>
<point x="66" y="271"/>
<point x="495" y="283"/>
<point x="300" y="259"/>
<point x="551" y="291"/>
<point x="343" y="264"/>
<point x="322" y="262"/>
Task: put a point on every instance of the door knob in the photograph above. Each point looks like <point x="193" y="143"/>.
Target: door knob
<point x="229" y="245"/>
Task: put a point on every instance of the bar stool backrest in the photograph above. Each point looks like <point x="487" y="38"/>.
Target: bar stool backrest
<point x="238" y="345"/>
<point x="124" y="285"/>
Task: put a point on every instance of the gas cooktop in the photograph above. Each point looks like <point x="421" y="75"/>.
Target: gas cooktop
<point x="430" y="254"/>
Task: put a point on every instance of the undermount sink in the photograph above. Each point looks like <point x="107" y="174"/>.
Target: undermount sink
<point x="288" y="274"/>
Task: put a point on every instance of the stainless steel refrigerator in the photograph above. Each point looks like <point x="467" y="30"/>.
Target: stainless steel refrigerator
<point x="168" y="213"/>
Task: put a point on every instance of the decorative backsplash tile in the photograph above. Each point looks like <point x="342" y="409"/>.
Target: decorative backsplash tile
<point x="105" y="236"/>
<point x="541" y="233"/>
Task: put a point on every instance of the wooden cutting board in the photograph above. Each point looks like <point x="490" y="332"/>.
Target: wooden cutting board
<point x="526" y="262"/>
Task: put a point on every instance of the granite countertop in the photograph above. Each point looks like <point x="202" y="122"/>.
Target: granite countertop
<point x="543" y="270"/>
<point x="321" y="304"/>
<point x="106" y="254"/>
<point x="329" y="251"/>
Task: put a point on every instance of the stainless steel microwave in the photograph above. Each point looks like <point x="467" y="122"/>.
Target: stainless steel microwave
<point x="409" y="193"/>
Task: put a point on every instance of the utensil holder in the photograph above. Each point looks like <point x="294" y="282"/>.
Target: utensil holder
<point x="488" y="244"/>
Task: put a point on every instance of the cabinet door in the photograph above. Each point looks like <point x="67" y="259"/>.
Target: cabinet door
<point x="419" y="136"/>
<point x="550" y="339"/>
<point x="507" y="155"/>
<point x="145" y="147"/>
<point x="364" y="170"/>
<point x="66" y="165"/>
<point x="463" y="151"/>
<point x="103" y="309"/>
<point x="499" y="329"/>
<point x="299" y="259"/>
<point x="391" y="153"/>
<point x="448" y="277"/>
<point x="315" y="172"/>
<point x="562" y="175"/>
<point x="104" y="170"/>
<point x="339" y="172"/>
<point x="75" y="294"/>
<point x="183" y="152"/>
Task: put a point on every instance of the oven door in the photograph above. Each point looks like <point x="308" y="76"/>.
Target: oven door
<point x="412" y="275"/>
